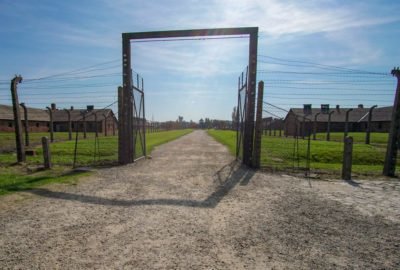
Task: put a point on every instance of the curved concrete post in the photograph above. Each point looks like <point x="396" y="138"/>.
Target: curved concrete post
<point x="26" y="124"/>
<point x="346" y="124"/>
<point x="51" y="128"/>
<point x="328" y="130"/>
<point x="69" y="124"/>
<point x="315" y="126"/>
<point x="105" y="125"/>
<point x="95" y="125"/>
<point x="367" y="135"/>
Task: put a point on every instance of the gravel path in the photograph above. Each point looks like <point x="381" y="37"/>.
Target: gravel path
<point x="193" y="207"/>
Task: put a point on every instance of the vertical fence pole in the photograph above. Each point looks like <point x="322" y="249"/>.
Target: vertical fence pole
<point x="26" y="124"/>
<point x="69" y="124"/>
<point x="84" y="124"/>
<point x="258" y="127"/>
<point x="17" y="119"/>
<point x="315" y="126"/>
<point x="144" y="120"/>
<point x="392" y="145"/>
<point x="328" y="131"/>
<point x="346" y="124"/>
<point x="46" y="153"/>
<point x="96" y="131"/>
<point x="105" y="125"/>
<point x="347" y="158"/>
<point x="367" y="135"/>
<point x="248" y="140"/>
<point x="270" y="128"/>
<point x="51" y="124"/>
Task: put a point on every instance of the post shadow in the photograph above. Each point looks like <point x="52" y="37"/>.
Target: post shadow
<point x="236" y="174"/>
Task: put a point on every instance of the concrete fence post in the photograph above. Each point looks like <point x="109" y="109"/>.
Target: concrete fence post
<point x="46" y="153"/>
<point x="17" y="119"/>
<point x="368" y="133"/>
<point x="51" y="124"/>
<point x="26" y="124"/>
<point x="347" y="158"/>
<point x="258" y="126"/>
<point x="69" y="124"/>
<point x="393" y="141"/>
<point x="328" y="131"/>
<point x="346" y="124"/>
<point x="315" y="126"/>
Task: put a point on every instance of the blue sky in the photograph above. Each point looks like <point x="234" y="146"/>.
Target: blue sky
<point x="198" y="79"/>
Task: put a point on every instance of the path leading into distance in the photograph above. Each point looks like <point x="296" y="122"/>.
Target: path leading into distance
<point x="192" y="207"/>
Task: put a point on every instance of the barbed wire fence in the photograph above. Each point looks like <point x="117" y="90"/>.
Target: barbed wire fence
<point x="307" y="141"/>
<point x="87" y="96"/>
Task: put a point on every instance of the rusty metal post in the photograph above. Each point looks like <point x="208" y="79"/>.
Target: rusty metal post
<point x="347" y="158"/>
<point x="26" y="124"/>
<point x="51" y="128"/>
<point x="69" y="124"/>
<point x="393" y="141"/>
<point x="46" y="153"/>
<point x="346" y="125"/>
<point x="328" y="130"/>
<point x="315" y="126"/>
<point x="17" y="119"/>
<point x="367" y="135"/>
<point x="258" y="127"/>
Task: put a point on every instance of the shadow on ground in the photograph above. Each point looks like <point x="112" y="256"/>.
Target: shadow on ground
<point x="228" y="177"/>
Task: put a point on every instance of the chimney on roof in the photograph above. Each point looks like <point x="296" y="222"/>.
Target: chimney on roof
<point x="325" y="108"/>
<point x="72" y="108"/>
<point x="53" y="106"/>
<point x="360" y="106"/>
<point x="307" y="109"/>
<point x="89" y="108"/>
<point x="338" y="107"/>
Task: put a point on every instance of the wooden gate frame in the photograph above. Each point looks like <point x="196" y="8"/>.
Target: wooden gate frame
<point x="125" y="132"/>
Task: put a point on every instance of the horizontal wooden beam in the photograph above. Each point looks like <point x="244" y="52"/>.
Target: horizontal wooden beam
<point x="191" y="33"/>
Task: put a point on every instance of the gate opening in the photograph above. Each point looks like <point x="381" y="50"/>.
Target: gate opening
<point x="128" y="134"/>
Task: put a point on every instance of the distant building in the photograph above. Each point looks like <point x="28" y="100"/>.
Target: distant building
<point x="38" y="119"/>
<point x="270" y="123"/>
<point x="104" y="119"/>
<point x="358" y="119"/>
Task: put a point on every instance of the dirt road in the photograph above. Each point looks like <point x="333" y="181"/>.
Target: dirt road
<point x="193" y="207"/>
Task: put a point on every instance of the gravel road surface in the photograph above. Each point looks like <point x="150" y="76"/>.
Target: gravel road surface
<point x="193" y="207"/>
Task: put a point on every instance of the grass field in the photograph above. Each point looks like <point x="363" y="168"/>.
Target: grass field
<point x="358" y="137"/>
<point x="278" y="153"/>
<point x="20" y="177"/>
<point x="7" y="139"/>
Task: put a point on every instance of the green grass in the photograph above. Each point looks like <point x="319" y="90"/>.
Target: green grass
<point x="7" y="139"/>
<point x="19" y="177"/>
<point x="358" y="137"/>
<point x="62" y="153"/>
<point x="278" y="153"/>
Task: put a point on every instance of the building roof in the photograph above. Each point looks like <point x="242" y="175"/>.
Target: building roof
<point x="78" y="114"/>
<point x="34" y="114"/>
<point x="383" y="114"/>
